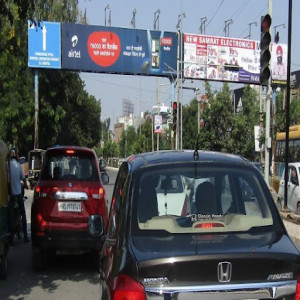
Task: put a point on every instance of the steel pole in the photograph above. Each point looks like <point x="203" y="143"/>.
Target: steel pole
<point x="36" y="109"/>
<point x="287" y="103"/>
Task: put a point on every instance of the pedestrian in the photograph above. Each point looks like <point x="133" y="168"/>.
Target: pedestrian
<point x="17" y="177"/>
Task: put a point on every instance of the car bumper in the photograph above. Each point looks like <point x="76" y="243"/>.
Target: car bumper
<point x="67" y="240"/>
<point x="268" y="290"/>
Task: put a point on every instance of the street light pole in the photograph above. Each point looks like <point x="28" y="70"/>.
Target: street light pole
<point x="226" y="27"/>
<point x="250" y="24"/>
<point x="287" y="102"/>
<point x="105" y="9"/>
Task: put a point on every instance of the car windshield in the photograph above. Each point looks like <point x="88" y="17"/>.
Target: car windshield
<point x="200" y="199"/>
<point x="66" y="167"/>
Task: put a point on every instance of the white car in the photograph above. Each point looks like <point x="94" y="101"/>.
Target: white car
<point x="293" y="188"/>
<point x="171" y="195"/>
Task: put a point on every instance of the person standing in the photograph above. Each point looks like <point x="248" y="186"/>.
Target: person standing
<point x="17" y="176"/>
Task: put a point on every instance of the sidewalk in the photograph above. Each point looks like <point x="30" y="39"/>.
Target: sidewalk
<point x="291" y="222"/>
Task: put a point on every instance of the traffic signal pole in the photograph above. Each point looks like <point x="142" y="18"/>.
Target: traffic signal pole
<point x="265" y="80"/>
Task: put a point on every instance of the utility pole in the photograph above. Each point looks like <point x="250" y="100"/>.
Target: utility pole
<point x="36" y="109"/>
<point x="287" y="102"/>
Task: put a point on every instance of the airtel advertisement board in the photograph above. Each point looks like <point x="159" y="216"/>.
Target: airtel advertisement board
<point x="104" y="49"/>
<point x="221" y="58"/>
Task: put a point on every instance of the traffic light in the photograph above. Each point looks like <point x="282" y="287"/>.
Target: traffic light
<point x="265" y="54"/>
<point x="174" y="106"/>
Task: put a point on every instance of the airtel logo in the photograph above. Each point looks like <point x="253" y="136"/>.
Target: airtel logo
<point x="166" y="41"/>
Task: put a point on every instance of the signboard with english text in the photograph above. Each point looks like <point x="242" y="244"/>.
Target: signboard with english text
<point x="221" y="58"/>
<point x="104" y="49"/>
<point x="44" y="45"/>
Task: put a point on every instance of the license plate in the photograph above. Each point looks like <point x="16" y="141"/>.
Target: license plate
<point x="69" y="206"/>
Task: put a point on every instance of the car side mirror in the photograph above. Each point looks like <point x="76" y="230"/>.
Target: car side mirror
<point x="105" y="178"/>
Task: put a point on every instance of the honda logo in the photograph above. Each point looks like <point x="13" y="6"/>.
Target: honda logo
<point x="224" y="271"/>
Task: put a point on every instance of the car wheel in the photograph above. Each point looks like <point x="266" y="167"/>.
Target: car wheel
<point x="3" y="267"/>
<point x="38" y="259"/>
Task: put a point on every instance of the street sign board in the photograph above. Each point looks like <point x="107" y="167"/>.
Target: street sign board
<point x="44" y="45"/>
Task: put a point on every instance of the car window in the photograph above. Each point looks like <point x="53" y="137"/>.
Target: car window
<point x="293" y="175"/>
<point x="70" y="167"/>
<point x="116" y="202"/>
<point x="209" y="199"/>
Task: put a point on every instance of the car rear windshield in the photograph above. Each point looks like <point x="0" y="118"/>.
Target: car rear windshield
<point x="201" y="199"/>
<point x="60" y="166"/>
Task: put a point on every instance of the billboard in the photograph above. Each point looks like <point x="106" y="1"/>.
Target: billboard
<point x="221" y="58"/>
<point x="279" y="63"/>
<point x="104" y="49"/>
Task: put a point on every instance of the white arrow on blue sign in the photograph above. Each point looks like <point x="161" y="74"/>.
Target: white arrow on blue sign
<point x="44" y="45"/>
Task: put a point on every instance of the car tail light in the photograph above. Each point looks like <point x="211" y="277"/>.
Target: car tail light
<point x="97" y="193"/>
<point x="39" y="192"/>
<point x="297" y="296"/>
<point x="70" y="152"/>
<point x="209" y="225"/>
<point x="126" y="288"/>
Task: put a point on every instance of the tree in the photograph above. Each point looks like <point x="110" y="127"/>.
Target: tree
<point x="223" y="129"/>
<point x="67" y="115"/>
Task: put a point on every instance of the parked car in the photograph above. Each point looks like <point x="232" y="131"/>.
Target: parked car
<point x="69" y="210"/>
<point x="225" y="241"/>
<point x="293" y="188"/>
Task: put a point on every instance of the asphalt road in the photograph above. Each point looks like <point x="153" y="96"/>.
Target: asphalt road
<point x="67" y="277"/>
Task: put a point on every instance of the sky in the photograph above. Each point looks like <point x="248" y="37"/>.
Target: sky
<point x="142" y="91"/>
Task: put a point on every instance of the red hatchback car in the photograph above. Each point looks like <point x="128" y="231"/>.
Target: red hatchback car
<point x="69" y="209"/>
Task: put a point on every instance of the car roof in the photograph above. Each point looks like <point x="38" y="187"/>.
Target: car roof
<point x="181" y="156"/>
<point x="59" y="149"/>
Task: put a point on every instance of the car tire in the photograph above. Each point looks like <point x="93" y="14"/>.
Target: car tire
<point x="38" y="259"/>
<point x="3" y="267"/>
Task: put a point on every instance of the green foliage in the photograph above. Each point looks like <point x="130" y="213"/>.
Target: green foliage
<point x="223" y="130"/>
<point x="67" y="114"/>
<point x="294" y="112"/>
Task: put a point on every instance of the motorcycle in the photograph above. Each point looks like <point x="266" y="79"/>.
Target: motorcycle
<point x="17" y="230"/>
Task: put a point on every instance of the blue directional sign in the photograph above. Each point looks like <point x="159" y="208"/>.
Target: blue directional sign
<point x="44" y="45"/>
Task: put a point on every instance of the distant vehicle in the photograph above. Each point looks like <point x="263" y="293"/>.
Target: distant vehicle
<point x="4" y="196"/>
<point x="279" y="155"/>
<point x="195" y="225"/>
<point x="69" y="209"/>
<point x="293" y="188"/>
<point x="102" y="165"/>
<point x="35" y="162"/>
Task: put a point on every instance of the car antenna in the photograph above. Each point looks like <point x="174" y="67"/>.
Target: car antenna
<point x="196" y="154"/>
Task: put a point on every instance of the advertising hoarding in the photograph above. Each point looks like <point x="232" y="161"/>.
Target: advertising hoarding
<point x="279" y="63"/>
<point x="104" y="49"/>
<point x="221" y="58"/>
